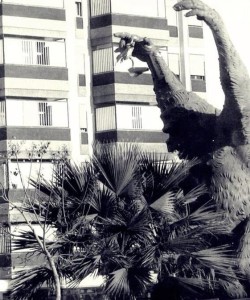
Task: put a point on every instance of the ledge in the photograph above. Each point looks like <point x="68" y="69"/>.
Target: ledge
<point x="125" y="20"/>
<point x="35" y="133"/>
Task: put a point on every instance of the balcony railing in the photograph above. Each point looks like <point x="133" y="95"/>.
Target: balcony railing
<point x="5" y="240"/>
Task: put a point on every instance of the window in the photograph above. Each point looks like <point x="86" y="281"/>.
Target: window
<point x="197" y="65"/>
<point x="34" y="52"/>
<point x="5" y="241"/>
<point x="103" y="60"/>
<point x="79" y="8"/>
<point x="83" y="118"/>
<point x="197" y="77"/>
<point x="100" y="7"/>
<point x="136" y="117"/>
<point x="105" y="118"/>
<point x="42" y="54"/>
<point x="45" y="114"/>
<point x="2" y="113"/>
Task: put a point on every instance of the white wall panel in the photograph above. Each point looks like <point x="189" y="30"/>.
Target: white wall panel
<point x="197" y="65"/>
<point x="149" y="8"/>
<point x="14" y="112"/>
<point x="25" y="170"/>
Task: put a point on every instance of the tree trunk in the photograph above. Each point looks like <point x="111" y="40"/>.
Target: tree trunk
<point x="55" y="274"/>
<point x="51" y="263"/>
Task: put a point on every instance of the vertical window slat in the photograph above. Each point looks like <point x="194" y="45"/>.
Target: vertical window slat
<point x="105" y="118"/>
<point x="45" y="114"/>
<point x="136" y="117"/>
<point x="100" y="7"/>
<point x="5" y="241"/>
<point x="103" y="60"/>
<point x="2" y="113"/>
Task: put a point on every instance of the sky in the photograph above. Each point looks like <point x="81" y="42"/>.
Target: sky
<point x="236" y="16"/>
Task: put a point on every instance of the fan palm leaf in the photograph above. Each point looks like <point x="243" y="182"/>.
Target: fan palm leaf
<point x="161" y="177"/>
<point x="220" y="259"/>
<point x="104" y="202"/>
<point x="26" y="240"/>
<point x="165" y="204"/>
<point x="26" y="283"/>
<point x="129" y="282"/>
<point x="116" y="165"/>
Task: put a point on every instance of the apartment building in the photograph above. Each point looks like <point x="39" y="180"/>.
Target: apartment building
<point x="60" y="84"/>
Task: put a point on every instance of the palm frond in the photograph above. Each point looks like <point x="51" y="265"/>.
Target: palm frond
<point x="135" y="228"/>
<point x="193" y="194"/>
<point x="82" y="266"/>
<point x="26" y="240"/>
<point x="163" y="176"/>
<point x="116" y="165"/>
<point x="186" y="242"/>
<point x="205" y="214"/>
<point x="26" y="283"/>
<point x="128" y="281"/>
<point x="104" y="202"/>
<point x="193" y="285"/>
<point x="220" y="258"/>
<point x="117" y="283"/>
<point x="165" y="204"/>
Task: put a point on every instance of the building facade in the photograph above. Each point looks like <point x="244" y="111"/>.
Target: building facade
<point x="60" y="85"/>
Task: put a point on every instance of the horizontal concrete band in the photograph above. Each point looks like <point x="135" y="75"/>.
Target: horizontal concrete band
<point x="22" y="26"/>
<point x="32" y="12"/>
<point x="198" y="86"/>
<point x="34" y="72"/>
<point x="143" y="22"/>
<point x="144" y="79"/>
<point x="195" y="32"/>
<point x="173" y="31"/>
<point x="79" y="23"/>
<point x="133" y="21"/>
<point x="82" y="80"/>
<point x="132" y="136"/>
<point x="121" y="77"/>
<point x="84" y="138"/>
<point x="35" y="133"/>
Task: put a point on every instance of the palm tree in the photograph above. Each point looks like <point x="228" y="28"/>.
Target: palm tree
<point x="131" y="217"/>
<point x="146" y="223"/>
<point x="53" y="206"/>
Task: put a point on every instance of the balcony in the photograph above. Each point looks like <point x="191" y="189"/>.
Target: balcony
<point x="109" y="16"/>
<point x="129" y="123"/>
<point x="31" y="52"/>
<point x="154" y="8"/>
